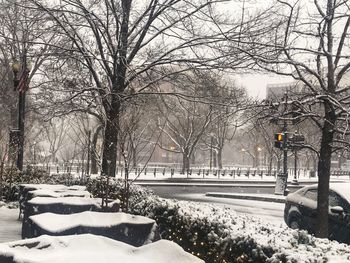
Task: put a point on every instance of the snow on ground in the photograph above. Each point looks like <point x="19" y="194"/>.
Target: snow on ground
<point x="10" y="226"/>
<point x="90" y="248"/>
<point x="58" y="223"/>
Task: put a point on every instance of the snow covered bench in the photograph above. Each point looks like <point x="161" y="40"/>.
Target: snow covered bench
<point x="131" y="229"/>
<point x="89" y="248"/>
<point x="62" y="205"/>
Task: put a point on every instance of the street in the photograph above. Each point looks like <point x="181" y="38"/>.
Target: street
<point x="267" y="211"/>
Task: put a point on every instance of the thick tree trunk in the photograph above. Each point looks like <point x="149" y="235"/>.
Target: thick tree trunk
<point x="110" y="142"/>
<point x="94" y="155"/>
<point x="185" y="161"/>
<point x="220" y="158"/>
<point x="215" y="161"/>
<point x="324" y="167"/>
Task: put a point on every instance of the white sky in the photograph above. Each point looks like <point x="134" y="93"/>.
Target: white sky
<point x="255" y="84"/>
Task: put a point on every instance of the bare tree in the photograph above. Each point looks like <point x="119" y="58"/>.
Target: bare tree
<point x="55" y="133"/>
<point x="186" y="120"/>
<point x="307" y="41"/>
<point x="124" y="43"/>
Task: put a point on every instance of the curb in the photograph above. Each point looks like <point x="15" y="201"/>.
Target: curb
<point x="276" y="199"/>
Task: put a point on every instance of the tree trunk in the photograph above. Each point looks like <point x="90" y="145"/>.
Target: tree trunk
<point x="185" y="161"/>
<point x="193" y="158"/>
<point x="134" y="156"/>
<point x="110" y="142"/>
<point x="269" y="170"/>
<point x="220" y="158"/>
<point x="94" y="155"/>
<point x="324" y="168"/>
<point x="215" y="161"/>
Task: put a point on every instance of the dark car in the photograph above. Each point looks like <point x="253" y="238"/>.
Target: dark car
<point x="300" y="210"/>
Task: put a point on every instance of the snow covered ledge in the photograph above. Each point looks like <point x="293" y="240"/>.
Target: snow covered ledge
<point x="89" y="248"/>
<point x="131" y="229"/>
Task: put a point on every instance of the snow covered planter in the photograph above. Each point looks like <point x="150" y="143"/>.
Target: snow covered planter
<point x="28" y="191"/>
<point x="131" y="229"/>
<point x="61" y="205"/>
<point x="220" y="235"/>
<point x="89" y="248"/>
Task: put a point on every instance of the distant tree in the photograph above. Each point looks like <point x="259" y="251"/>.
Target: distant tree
<point x="21" y="29"/>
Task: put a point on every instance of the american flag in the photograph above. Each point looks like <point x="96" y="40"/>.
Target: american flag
<point x="23" y="81"/>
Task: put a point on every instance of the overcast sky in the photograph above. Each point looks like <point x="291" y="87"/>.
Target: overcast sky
<point x="256" y="84"/>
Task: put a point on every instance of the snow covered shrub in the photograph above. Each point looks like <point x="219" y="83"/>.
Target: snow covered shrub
<point x="219" y="235"/>
<point x="201" y="230"/>
<point x="111" y="188"/>
<point x="10" y="179"/>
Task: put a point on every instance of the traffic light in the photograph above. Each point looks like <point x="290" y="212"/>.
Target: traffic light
<point x="279" y="138"/>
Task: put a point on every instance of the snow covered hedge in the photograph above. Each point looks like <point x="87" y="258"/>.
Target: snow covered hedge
<point x="10" y="180"/>
<point x="220" y="235"/>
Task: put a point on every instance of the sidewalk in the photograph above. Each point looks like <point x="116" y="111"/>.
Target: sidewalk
<point x="10" y="226"/>
<point x="256" y="197"/>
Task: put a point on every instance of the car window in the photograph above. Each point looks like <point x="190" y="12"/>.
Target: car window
<point x="336" y="200"/>
<point x="311" y="194"/>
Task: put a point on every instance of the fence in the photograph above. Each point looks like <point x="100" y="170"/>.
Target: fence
<point x="197" y="172"/>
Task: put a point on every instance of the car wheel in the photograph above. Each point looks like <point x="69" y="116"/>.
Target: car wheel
<point x="295" y="222"/>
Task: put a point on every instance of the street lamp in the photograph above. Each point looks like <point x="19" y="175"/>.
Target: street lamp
<point x="20" y="84"/>
<point x="258" y="149"/>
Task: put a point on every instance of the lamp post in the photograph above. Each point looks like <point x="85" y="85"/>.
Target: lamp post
<point x="258" y="150"/>
<point x="20" y="85"/>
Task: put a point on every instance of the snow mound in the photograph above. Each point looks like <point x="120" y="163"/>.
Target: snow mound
<point x="90" y="248"/>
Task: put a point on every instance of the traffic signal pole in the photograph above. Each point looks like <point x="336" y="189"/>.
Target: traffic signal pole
<point x="285" y="150"/>
<point x="282" y="143"/>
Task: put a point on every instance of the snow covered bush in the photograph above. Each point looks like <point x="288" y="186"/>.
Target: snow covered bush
<point x="10" y="179"/>
<point x="111" y="188"/>
<point x="202" y="230"/>
<point x="219" y="235"/>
